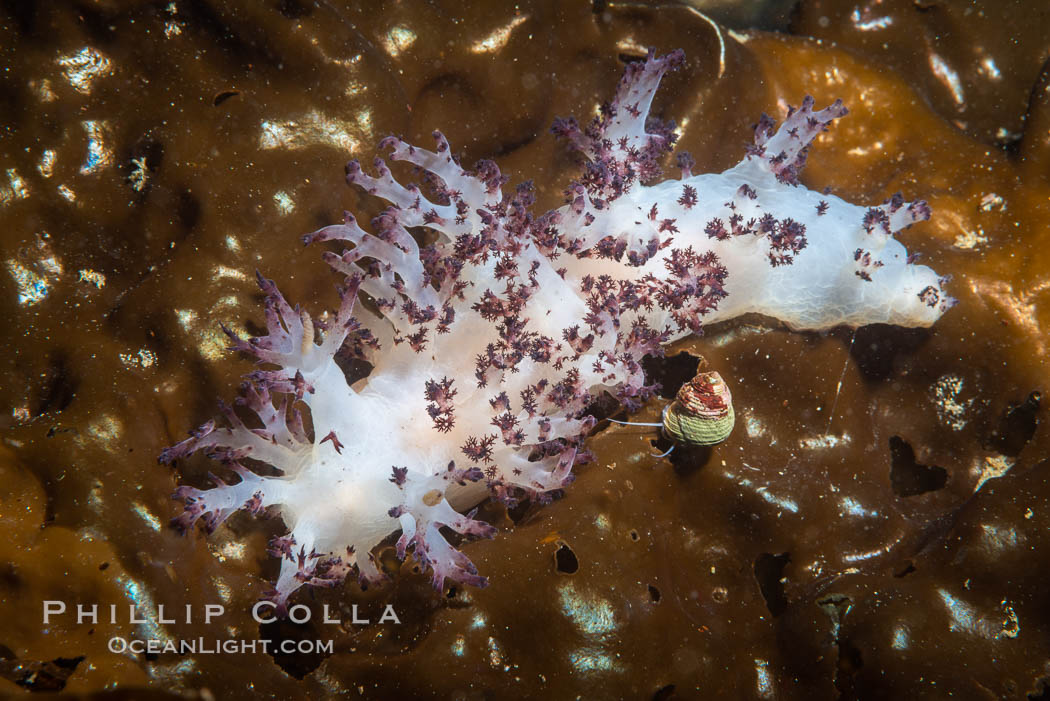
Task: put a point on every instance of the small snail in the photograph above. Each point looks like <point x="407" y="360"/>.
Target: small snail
<point x="700" y="415"/>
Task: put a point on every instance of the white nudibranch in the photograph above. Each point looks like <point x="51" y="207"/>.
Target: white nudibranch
<point x="488" y="344"/>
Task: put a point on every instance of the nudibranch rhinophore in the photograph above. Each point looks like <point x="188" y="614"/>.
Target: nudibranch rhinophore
<point x="494" y="338"/>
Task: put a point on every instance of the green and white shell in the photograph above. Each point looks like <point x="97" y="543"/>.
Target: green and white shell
<point x="702" y="412"/>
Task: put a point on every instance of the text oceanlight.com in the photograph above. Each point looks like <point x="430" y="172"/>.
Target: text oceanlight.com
<point x="203" y="646"/>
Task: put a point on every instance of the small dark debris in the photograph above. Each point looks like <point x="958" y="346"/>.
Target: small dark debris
<point x="904" y="570"/>
<point x="1042" y="690"/>
<point x="58" y="387"/>
<point x="188" y="211"/>
<point x="294" y="9"/>
<point x="223" y="97"/>
<point x="627" y="58"/>
<point x="665" y="693"/>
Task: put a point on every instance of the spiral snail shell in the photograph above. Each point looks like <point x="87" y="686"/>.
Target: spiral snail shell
<point x="700" y="415"/>
<point x="702" y="412"/>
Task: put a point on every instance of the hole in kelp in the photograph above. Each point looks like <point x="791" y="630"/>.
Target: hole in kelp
<point x="284" y="634"/>
<point x="877" y="347"/>
<point x="654" y="594"/>
<point x="38" y="676"/>
<point x="1016" y="426"/>
<point x="769" y="571"/>
<point x="907" y="476"/>
<point x="565" y="560"/>
<point x="670" y="372"/>
<point x="353" y="368"/>
<point x="849" y="663"/>
<point x="837" y="606"/>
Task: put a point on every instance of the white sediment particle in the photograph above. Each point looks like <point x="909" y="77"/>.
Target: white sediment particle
<point x="92" y="277"/>
<point x="992" y="202"/>
<point x="146" y="515"/>
<point x="311" y="129"/>
<point x="499" y="37"/>
<point x="43" y="90"/>
<point x="212" y="344"/>
<point x="998" y="539"/>
<point x="763" y="679"/>
<point x="185" y="317"/>
<point x="966" y="618"/>
<point x="951" y="408"/>
<point x="84" y="67"/>
<point x="459" y="646"/>
<point x="32" y="288"/>
<point x="947" y="75"/>
<point x="992" y="467"/>
<point x="866" y="23"/>
<point x="970" y="239"/>
<point x="398" y="40"/>
<point x="139" y="176"/>
<point x="141" y="359"/>
<point x="901" y="637"/>
<point x="107" y="428"/>
<point x="284" y="202"/>
<point x="172" y="29"/>
<point x="495" y="656"/>
<point x="47" y="163"/>
<point x="854" y="508"/>
<point x="225" y="272"/>
<point x="99" y="152"/>
<point x="754" y="426"/>
<point x="17" y="189"/>
<point x="230" y="550"/>
<point x="827" y="440"/>
<point x="989" y="69"/>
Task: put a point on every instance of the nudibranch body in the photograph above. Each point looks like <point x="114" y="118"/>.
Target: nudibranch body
<point x="488" y="345"/>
